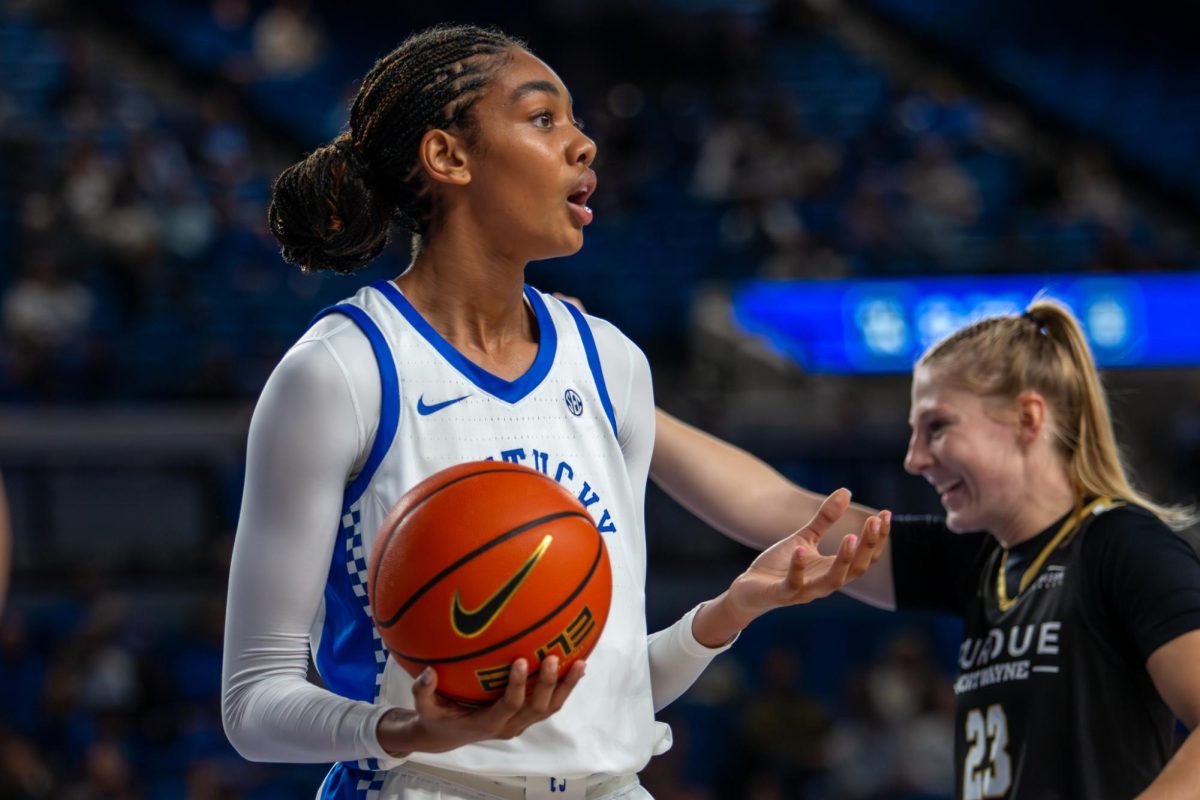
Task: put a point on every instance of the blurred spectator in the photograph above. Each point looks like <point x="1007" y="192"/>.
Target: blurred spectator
<point x="926" y="752"/>
<point x="762" y="159"/>
<point x="286" y="40"/>
<point x="782" y="733"/>
<point x="945" y="110"/>
<point x="107" y="775"/>
<point x="863" y="749"/>
<point x="799" y="254"/>
<point x="1090" y="190"/>
<point x="898" y="738"/>
<point x="943" y="202"/>
<point x="44" y="313"/>
<point x="871" y="230"/>
<point x="24" y="774"/>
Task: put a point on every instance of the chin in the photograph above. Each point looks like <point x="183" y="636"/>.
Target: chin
<point x="564" y="249"/>
<point x="959" y="522"/>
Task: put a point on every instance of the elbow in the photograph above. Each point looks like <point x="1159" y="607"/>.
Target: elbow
<point x="234" y="722"/>
<point x="231" y="722"/>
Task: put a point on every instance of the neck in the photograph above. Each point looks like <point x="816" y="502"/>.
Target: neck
<point x="1048" y="496"/>
<point x="472" y="298"/>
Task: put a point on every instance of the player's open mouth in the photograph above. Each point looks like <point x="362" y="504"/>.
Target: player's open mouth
<point x="577" y="200"/>
<point x="946" y="491"/>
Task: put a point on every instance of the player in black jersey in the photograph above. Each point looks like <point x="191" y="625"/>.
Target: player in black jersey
<point x="1081" y="606"/>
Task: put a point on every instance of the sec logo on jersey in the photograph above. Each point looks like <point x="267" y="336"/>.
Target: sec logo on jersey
<point x="574" y="402"/>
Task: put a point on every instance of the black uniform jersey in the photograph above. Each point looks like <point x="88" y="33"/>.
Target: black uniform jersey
<point x="1053" y="699"/>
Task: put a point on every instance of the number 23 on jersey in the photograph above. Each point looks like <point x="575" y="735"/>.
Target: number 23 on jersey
<point x="987" y="769"/>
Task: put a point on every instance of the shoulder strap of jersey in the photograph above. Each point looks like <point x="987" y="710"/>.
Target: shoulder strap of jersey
<point x="389" y="411"/>
<point x="593" y="359"/>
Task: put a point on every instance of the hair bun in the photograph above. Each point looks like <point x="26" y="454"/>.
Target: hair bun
<point x="353" y="156"/>
<point x="325" y="212"/>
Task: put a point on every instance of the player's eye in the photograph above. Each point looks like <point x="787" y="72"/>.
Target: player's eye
<point x="543" y="119"/>
<point x="578" y="123"/>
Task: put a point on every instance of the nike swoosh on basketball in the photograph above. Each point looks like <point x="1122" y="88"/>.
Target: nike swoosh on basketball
<point x="425" y="410"/>
<point x="469" y="624"/>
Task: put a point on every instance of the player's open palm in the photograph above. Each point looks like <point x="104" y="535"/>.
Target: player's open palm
<point x="792" y="571"/>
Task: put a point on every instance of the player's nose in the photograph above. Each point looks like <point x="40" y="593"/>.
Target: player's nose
<point x="918" y="458"/>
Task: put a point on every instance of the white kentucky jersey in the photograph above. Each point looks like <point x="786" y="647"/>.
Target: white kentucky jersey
<point x="440" y="409"/>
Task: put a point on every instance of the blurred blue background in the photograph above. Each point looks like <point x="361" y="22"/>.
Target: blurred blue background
<point x="764" y="166"/>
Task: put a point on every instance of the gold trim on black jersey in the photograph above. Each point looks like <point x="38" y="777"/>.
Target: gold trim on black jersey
<point x="1072" y="523"/>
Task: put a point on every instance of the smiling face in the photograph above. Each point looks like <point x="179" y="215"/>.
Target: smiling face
<point x="969" y="449"/>
<point x="529" y="164"/>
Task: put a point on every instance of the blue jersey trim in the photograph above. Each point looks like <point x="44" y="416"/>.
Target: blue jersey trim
<point x="509" y="391"/>
<point x="593" y="359"/>
<point x="389" y="412"/>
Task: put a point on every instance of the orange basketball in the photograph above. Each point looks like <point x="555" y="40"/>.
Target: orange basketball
<point x="484" y="563"/>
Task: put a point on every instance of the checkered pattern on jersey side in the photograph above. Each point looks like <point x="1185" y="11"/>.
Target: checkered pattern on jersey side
<point x="356" y="566"/>
<point x="369" y="788"/>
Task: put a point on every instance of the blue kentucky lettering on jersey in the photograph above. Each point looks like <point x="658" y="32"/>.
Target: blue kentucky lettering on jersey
<point x="563" y="473"/>
<point x="558" y="786"/>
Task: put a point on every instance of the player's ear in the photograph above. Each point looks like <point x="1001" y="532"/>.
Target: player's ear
<point x="1031" y="416"/>
<point x="444" y="157"/>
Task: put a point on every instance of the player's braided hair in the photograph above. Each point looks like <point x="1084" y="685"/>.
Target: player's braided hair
<point x="333" y="210"/>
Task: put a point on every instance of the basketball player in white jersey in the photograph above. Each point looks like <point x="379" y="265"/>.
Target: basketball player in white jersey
<point x="468" y="142"/>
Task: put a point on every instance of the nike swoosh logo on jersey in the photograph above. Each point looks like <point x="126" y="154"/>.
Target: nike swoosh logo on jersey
<point x="469" y="624"/>
<point x="425" y="410"/>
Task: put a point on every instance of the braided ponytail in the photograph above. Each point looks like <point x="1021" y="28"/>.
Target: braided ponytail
<point x="334" y="209"/>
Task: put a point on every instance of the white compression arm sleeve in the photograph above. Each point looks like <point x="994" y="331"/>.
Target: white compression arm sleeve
<point x="306" y="437"/>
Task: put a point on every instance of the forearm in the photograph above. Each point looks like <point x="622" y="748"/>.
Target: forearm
<point x="735" y="492"/>
<point x="1181" y="777"/>
<point x="289" y="720"/>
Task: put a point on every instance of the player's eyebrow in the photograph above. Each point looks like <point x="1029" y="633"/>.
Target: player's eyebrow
<point x="532" y="87"/>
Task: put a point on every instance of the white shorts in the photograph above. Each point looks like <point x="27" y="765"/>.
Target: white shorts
<point x="419" y="782"/>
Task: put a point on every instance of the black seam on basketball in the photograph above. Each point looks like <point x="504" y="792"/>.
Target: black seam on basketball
<point x="582" y="585"/>
<point x="392" y="620"/>
<point x="422" y="501"/>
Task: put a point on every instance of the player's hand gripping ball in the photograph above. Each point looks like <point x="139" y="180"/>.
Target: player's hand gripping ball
<point x="484" y="563"/>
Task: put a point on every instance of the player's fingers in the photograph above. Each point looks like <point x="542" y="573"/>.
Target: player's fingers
<point x="837" y="575"/>
<point x="885" y="529"/>
<point x="539" y="699"/>
<point x="831" y="510"/>
<point x="864" y="554"/>
<point x="567" y="685"/>
<point x="513" y="699"/>
<point x="795" y="581"/>
<point x="536" y="710"/>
